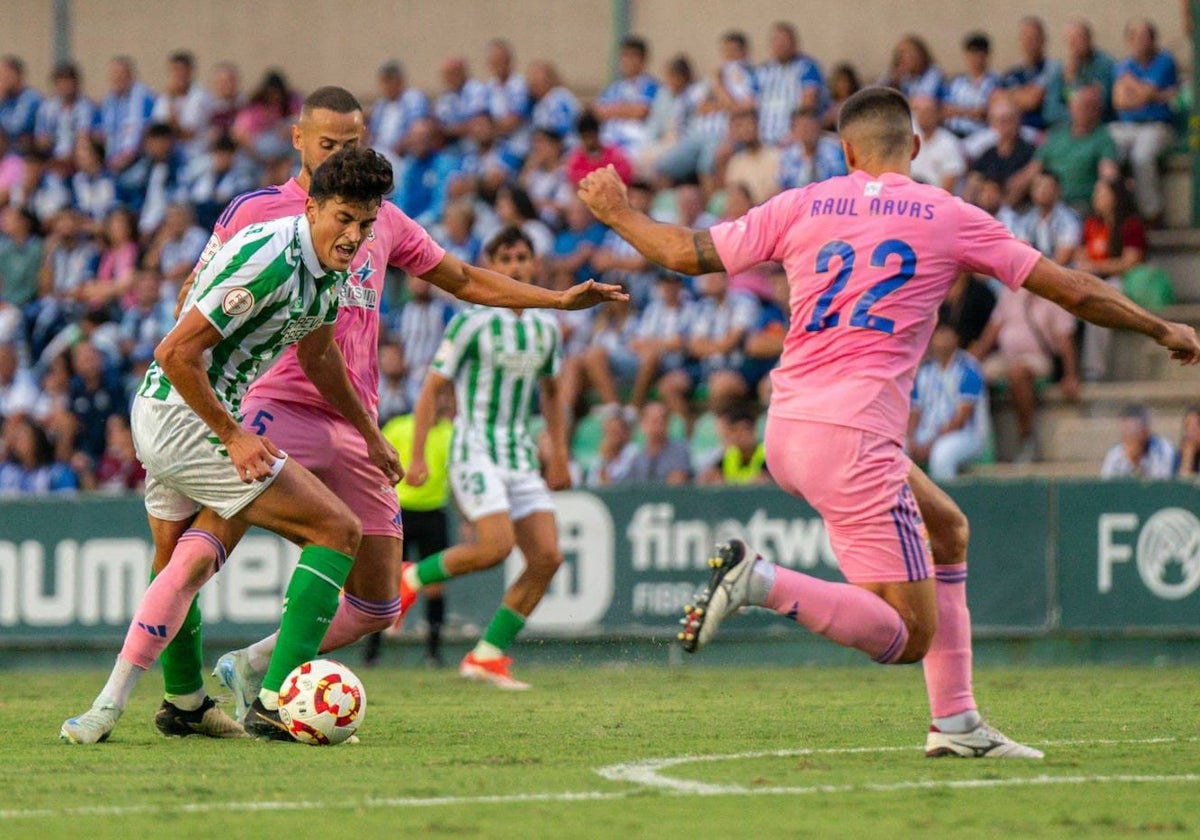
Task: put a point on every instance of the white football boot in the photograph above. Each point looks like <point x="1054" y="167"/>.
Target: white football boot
<point x="234" y="672"/>
<point x="727" y="591"/>
<point x="981" y="742"/>
<point x="92" y="727"/>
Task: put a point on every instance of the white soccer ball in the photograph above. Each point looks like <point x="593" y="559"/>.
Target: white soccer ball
<point x="322" y="702"/>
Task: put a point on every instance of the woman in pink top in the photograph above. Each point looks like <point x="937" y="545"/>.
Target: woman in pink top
<point x="118" y="260"/>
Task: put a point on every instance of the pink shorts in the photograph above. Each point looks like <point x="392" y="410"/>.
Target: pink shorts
<point x="334" y="452"/>
<point x="858" y="482"/>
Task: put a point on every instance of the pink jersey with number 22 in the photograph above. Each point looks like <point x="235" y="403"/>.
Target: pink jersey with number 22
<point x="869" y="260"/>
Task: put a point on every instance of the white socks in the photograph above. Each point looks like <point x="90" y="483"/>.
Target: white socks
<point x="116" y="691"/>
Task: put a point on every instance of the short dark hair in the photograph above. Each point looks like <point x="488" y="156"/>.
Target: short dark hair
<point x="65" y="70"/>
<point x="588" y="123"/>
<point x="636" y="44"/>
<point x="887" y="109"/>
<point x="331" y="98"/>
<point x="550" y="134"/>
<point x="506" y="237"/>
<point x="160" y="129"/>
<point x="736" y="36"/>
<point x="357" y="175"/>
<point x="1135" y="411"/>
<point x="16" y="63"/>
<point x="183" y="57"/>
<point x="740" y="412"/>
<point x="977" y="42"/>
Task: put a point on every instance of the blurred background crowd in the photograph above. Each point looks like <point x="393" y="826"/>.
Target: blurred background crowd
<point x="108" y="190"/>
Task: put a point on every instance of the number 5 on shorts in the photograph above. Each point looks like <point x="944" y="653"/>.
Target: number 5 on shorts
<point x="259" y="423"/>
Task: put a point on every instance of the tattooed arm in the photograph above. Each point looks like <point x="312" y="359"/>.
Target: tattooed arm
<point x="671" y="246"/>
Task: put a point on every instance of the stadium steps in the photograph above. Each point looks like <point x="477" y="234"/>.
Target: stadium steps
<point x="1177" y="190"/>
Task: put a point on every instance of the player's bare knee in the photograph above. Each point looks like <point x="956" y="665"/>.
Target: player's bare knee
<point x="496" y="551"/>
<point x="341" y="531"/>
<point x="545" y="563"/>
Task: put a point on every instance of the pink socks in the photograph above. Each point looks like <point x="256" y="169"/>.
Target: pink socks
<point x="197" y="557"/>
<point x="841" y="612"/>
<point x="948" y="662"/>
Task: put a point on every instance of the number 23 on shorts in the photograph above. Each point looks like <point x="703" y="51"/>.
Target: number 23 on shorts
<point x="474" y="483"/>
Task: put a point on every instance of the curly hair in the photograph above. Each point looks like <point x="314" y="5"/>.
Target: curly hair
<point x="357" y="175"/>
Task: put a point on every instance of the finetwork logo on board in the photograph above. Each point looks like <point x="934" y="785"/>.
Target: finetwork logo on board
<point x="1167" y="551"/>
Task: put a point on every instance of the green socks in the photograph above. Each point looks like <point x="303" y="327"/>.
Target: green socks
<point x="430" y="570"/>
<point x="502" y="630"/>
<point x="183" y="658"/>
<point x="308" y="608"/>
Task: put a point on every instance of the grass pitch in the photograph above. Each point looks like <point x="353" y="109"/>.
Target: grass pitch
<point x="628" y="752"/>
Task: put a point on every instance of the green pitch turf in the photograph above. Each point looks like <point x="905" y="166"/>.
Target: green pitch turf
<point x="572" y="759"/>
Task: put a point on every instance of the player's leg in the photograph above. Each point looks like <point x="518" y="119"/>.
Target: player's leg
<point x="429" y="534"/>
<point x="649" y="360"/>
<point x="947" y="664"/>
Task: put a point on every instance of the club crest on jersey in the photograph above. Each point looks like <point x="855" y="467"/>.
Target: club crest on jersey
<point x="873" y="188"/>
<point x="237" y="302"/>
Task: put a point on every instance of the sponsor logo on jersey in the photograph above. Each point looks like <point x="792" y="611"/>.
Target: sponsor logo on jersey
<point x="519" y="363"/>
<point x="356" y="291"/>
<point x="301" y="327"/>
<point x="237" y="302"/>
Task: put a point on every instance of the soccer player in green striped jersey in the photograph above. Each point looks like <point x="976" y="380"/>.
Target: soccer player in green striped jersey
<point x="272" y="285"/>
<point x="497" y="360"/>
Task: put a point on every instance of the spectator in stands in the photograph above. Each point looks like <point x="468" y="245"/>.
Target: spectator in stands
<point x="177" y="244"/>
<point x="787" y="81"/>
<point x="619" y="263"/>
<point x="18" y="387"/>
<point x="574" y="246"/>
<point x="617" y="451"/>
<point x="1189" y="443"/>
<point x="119" y="470"/>
<point x="810" y="155"/>
<point x="1006" y="161"/>
<point x="462" y="98"/>
<point x="843" y="83"/>
<point x="456" y="232"/>
<point x="554" y="107"/>
<point x="752" y="162"/>
<point x="677" y="99"/>
<point x="150" y="182"/>
<point x="515" y="207"/>
<point x="66" y="116"/>
<point x="659" y="342"/>
<point x="1140" y="454"/>
<point x="41" y="189"/>
<point x="31" y="468"/>
<point x="1028" y="335"/>
<point x="1085" y="66"/>
<point x="18" y="102"/>
<point x="118" y="260"/>
<point x="216" y="181"/>
<point x="913" y="71"/>
<point x="968" y="306"/>
<point x="262" y="127"/>
<point x="12" y="168"/>
<point x="989" y="197"/>
<point x="125" y="113"/>
<point x="418" y="332"/>
<point x="21" y="254"/>
<point x="1050" y="225"/>
<point x="508" y="95"/>
<point x="1081" y="152"/>
<point x="425" y="176"/>
<point x="624" y="105"/>
<point x="592" y="153"/>
<point x="393" y="383"/>
<point x="608" y="364"/>
<point x="1114" y="241"/>
<point x="730" y="88"/>
<point x="395" y="112"/>
<point x="940" y="159"/>
<point x="184" y="104"/>
<point x="948" y="426"/>
<point x="1144" y="89"/>
<point x="93" y="187"/>
<point x="659" y="459"/>
<point x="689" y="208"/>
<point x="743" y="460"/>
<point x="544" y="177"/>
<point x="484" y="164"/>
<point x="149" y="317"/>
<point x="714" y="348"/>
<point x="95" y="395"/>
<point x="224" y="100"/>
<point x="967" y="95"/>
<point x="1026" y="84"/>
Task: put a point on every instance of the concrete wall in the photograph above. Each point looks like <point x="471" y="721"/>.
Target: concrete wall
<point x="342" y="41"/>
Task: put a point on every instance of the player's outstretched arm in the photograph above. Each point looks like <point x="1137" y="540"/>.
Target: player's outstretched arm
<point x="479" y="285"/>
<point x="181" y="355"/>
<point x="424" y="416"/>
<point x="1093" y="300"/>
<point x="324" y="365"/>
<point x="672" y="246"/>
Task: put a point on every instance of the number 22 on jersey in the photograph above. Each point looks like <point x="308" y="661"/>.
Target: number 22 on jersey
<point x="860" y="315"/>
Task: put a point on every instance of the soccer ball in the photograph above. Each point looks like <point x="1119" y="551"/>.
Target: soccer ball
<point x="322" y="702"/>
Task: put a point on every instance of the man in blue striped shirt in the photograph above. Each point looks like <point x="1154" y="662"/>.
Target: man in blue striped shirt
<point x="125" y="113"/>
<point x="948" y="424"/>
<point x="624" y="105"/>
<point x="18" y="102"/>
<point x="1140" y="454"/>
<point x="64" y="117"/>
<point x="789" y="80"/>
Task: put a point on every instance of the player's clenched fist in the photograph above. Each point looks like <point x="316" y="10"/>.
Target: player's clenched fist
<point x="1180" y="339"/>
<point x="604" y="193"/>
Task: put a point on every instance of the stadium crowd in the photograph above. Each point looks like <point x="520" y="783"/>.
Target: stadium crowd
<point x="106" y="204"/>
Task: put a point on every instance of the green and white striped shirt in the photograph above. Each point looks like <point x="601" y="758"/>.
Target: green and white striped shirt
<point x="264" y="290"/>
<point x="495" y="358"/>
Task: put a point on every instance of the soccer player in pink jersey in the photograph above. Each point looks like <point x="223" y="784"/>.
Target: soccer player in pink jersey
<point x="285" y="407"/>
<point x="869" y="257"/>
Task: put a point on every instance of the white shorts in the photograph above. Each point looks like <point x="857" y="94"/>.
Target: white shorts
<point x="184" y="469"/>
<point x="482" y="488"/>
